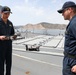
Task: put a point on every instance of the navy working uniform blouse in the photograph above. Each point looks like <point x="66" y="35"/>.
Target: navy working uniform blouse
<point x="70" y="37"/>
<point x="6" y="30"/>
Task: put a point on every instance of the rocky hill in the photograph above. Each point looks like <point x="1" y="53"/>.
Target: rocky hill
<point x="45" y="25"/>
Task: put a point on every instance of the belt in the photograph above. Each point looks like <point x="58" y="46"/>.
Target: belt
<point x="70" y="55"/>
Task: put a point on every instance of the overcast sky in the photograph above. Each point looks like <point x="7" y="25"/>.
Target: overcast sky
<point x="35" y="11"/>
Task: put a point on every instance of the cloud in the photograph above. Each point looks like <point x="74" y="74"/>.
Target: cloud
<point x="54" y="1"/>
<point x="26" y="1"/>
<point x="31" y="12"/>
<point x="27" y="13"/>
<point x="56" y="18"/>
<point x="29" y="9"/>
<point x="72" y="0"/>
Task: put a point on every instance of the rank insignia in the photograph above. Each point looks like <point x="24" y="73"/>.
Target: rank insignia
<point x="10" y="25"/>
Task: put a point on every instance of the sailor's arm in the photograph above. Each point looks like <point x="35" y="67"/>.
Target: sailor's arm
<point x="3" y="38"/>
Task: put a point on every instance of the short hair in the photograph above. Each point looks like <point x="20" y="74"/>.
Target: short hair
<point x="74" y="9"/>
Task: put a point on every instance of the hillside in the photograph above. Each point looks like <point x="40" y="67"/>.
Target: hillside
<point x="45" y="25"/>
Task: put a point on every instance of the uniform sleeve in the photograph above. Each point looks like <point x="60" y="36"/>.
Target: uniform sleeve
<point x="73" y="30"/>
<point x="12" y="30"/>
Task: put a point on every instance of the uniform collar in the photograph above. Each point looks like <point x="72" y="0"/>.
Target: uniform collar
<point x="71" y="21"/>
<point x="73" y="17"/>
<point x="2" y="20"/>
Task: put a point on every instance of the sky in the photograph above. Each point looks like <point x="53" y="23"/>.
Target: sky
<point x="35" y="11"/>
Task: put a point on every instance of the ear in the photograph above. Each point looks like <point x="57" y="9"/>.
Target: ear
<point x="70" y="10"/>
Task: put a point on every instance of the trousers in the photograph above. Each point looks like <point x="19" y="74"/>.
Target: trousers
<point x="5" y="58"/>
<point x="67" y="65"/>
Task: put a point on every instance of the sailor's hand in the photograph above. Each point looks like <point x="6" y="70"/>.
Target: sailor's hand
<point x="14" y="36"/>
<point x="74" y="69"/>
<point x="3" y="38"/>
